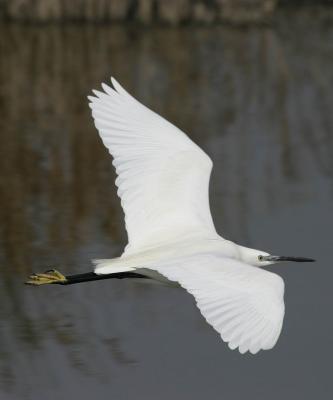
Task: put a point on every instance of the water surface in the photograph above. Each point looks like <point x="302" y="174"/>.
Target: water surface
<point x="259" y="101"/>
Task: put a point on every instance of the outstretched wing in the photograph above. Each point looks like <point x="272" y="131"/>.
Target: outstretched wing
<point x="243" y="303"/>
<point x="163" y="177"/>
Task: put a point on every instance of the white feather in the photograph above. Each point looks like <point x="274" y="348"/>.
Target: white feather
<point x="167" y="171"/>
<point x="245" y="325"/>
<point x="163" y="180"/>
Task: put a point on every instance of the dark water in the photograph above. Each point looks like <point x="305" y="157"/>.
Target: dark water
<point x="260" y="102"/>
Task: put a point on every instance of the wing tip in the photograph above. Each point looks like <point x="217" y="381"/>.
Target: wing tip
<point x="107" y="90"/>
<point x="114" y="81"/>
<point x="118" y="88"/>
<point x="97" y="94"/>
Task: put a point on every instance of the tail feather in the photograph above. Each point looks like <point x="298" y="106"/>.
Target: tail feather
<point x="109" y="266"/>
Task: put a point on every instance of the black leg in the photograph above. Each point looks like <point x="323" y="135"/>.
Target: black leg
<point x="91" y="276"/>
<point x="55" y="277"/>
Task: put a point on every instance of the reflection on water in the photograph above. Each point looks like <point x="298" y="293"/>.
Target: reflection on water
<point x="259" y="102"/>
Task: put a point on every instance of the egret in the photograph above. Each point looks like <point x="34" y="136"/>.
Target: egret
<point x="163" y="184"/>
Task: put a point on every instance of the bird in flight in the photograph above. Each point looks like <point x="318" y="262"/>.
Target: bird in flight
<point x="163" y="184"/>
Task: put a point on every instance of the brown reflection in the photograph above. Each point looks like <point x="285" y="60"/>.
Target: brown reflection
<point x="257" y="100"/>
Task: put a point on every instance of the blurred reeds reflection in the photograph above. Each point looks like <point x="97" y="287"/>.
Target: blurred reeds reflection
<point x="257" y="100"/>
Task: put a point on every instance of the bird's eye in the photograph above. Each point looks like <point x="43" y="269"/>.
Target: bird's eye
<point x="260" y="258"/>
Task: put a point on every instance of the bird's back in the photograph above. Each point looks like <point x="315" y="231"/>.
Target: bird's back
<point x="178" y="247"/>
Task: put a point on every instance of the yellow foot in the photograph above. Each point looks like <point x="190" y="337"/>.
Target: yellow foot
<point x="51" y="276"/>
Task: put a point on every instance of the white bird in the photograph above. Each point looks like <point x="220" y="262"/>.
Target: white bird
<point x="163" y="180"/>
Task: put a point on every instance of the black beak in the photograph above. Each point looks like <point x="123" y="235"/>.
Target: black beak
<point x="286" y="258"/>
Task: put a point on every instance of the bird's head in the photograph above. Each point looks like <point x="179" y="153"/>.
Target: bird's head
<point x="262" y="259"/>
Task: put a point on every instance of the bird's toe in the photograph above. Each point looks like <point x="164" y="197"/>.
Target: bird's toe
<point x="48" y="277"/>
